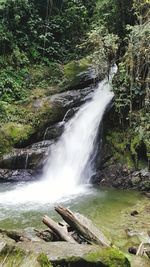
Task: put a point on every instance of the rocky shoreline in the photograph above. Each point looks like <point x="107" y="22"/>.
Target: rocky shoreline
<point x="119" y="176"/>
<point x="32" y="247"/>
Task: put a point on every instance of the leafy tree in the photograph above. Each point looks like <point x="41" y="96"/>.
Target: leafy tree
<point x="115" y="15"/>
<point x="131" y="86"/>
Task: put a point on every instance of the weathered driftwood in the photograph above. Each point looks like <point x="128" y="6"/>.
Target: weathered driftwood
<point x="140" y="250"/>
<point x="83" y="227"/>
<point x="144" y="249"/>
<point x="60" y="231"/>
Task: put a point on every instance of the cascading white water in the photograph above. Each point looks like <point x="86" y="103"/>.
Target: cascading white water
<point x="69" y="163"/>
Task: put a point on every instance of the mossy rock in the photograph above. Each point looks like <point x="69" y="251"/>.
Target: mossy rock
<point x="62" y="254"/>
<point x="126" y="148"/>
<point x="11" y="133"/>
<point x="78" y="74"/>
<point x="33" y="119"/>
<point x="109" y="257"/>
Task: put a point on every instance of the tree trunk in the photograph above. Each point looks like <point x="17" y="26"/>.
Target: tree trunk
<point x="83" y="227"/>
<point x="58" y="230"/>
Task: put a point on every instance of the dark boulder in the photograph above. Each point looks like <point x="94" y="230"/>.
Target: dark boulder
<point x="73" y="98"/>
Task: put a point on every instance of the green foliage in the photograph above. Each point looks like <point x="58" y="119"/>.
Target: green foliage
<point x="45" y="75"/>
<point x="131" y="83"/>
<point x="104" y="47"/>
<point x="34" y="29"/>
<point x="13" y="85"/>
<point x="101" y="47"/>
<point x="141" y="9"/>
<point x="114" y="15"/>
<point x="141" y="126"/>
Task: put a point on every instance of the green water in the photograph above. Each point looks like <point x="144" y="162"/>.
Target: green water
<point x="109" y="209"/>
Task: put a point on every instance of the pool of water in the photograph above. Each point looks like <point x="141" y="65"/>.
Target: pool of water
<point x="109" y="209"/>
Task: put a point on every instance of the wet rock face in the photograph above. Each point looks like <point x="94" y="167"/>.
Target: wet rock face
<point x="53" y="132"/>
<point x="30" y="158"/>
<point x="73" y="98"/>
<point x="33" y="156"/>
<point x="69" y="114"/>
<point x="23" y="159"/>
<point x="63" y="107"/>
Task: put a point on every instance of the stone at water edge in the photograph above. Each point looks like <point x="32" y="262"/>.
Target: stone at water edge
<point x="73" y="255"/>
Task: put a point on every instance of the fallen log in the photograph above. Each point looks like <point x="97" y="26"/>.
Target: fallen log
<point x="140" y="251"/>
<point x="83" y="227"/>
<point x="59" y="231"/>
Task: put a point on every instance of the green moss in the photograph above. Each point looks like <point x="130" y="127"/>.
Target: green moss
<point x="12" y="133"/>
<point x="119" y="146"/>
<point x="74" y="68"/>
<point x="108" y="257"/>
<point x="43" y="260"/>
<point x="30" y="118"/>
<point x="21" y="118"/>
<point x="72" y="72"/>
<point x="125" y="146"/>
<point x="17" y="131"/>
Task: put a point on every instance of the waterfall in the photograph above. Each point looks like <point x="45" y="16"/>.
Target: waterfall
<point x="70" y="163"/>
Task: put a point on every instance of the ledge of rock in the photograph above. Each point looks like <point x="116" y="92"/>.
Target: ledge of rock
<point x="58" y="254"/>
<point x="72" y="98"/>
<point x="31" y="157"/>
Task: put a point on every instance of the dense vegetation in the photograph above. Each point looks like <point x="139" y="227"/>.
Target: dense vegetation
<point x="38" y="37"/>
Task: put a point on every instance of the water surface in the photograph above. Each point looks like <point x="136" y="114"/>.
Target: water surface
<point x="109" y="209"/>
